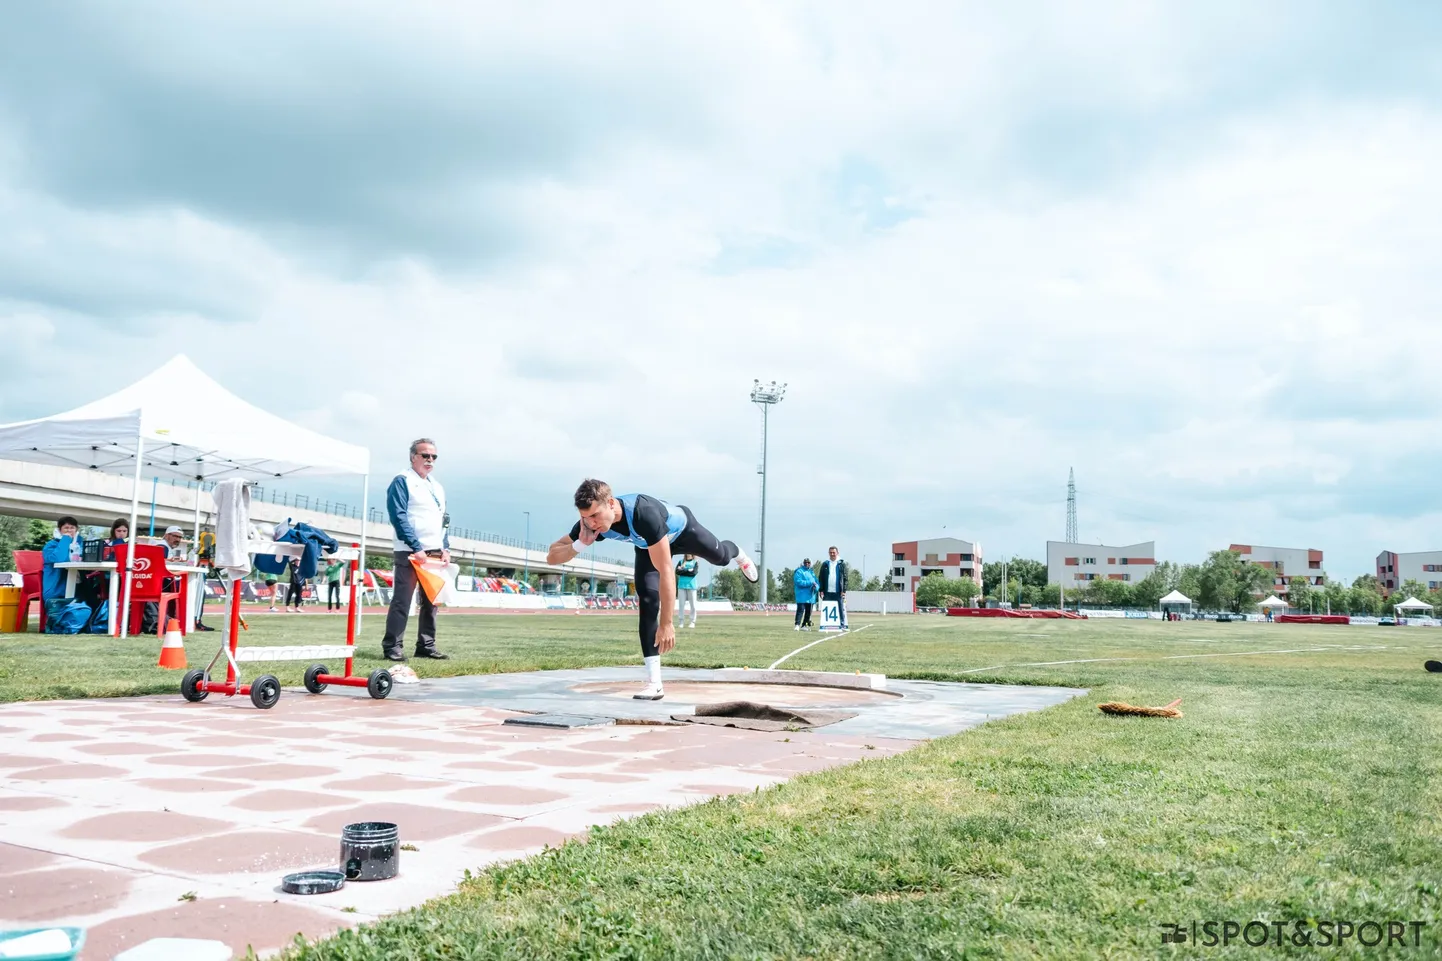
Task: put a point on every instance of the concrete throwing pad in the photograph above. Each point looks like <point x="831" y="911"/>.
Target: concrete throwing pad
<point x="904" y="709"/>
<point x="565" y="721"/>
<point x="160" y="818"/>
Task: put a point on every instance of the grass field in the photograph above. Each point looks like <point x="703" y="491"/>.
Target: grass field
<point x="1300" y="786"/>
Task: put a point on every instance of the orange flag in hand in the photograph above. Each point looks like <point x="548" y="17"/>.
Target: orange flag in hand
<point x="435" y="577"/>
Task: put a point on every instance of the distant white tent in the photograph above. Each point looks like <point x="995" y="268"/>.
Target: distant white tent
<point x="1175" y="603"/>
<point x="178" y="423"/>
<point x="1274" y="602"/>
<point x="1412" y="604"/>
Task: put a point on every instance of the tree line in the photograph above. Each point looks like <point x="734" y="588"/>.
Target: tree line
<point x="1223" y="582"/>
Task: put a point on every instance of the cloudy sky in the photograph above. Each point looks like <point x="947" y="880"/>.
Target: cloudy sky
<point x="1191" y="250"/>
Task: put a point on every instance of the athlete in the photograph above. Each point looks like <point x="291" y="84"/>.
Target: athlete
<point x="658" y="531"/>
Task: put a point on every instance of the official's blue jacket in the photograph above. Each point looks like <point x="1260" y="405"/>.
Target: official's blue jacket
<point x="805" y="583"/>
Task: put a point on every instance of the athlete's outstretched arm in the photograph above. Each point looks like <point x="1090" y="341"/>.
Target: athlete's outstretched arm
<point x="661" y="560"/>
<point x="562" y="550"/>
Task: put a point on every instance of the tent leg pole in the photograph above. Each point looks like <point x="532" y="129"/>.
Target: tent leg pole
<point x="364" y="522"/>
<point x="134" y="519"/>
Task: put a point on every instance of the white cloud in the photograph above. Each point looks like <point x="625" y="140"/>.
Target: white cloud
<point x="1220" y="327"/>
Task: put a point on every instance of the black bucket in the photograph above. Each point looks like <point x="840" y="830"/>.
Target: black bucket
<point x="370" y="851"/>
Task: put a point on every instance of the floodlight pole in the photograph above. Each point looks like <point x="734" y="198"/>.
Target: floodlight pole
<point x="764" y="395"/>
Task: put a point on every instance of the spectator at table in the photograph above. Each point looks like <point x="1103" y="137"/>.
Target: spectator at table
<point x="60" y="549"/>
<point x="175" y="545"/>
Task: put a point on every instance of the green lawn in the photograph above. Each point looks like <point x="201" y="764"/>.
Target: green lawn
<point x="1298" y="786"/>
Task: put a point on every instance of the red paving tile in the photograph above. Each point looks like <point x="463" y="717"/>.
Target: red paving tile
<point x="122" y="748"/>
<point x="240" y="924"/>
<point x="193" y="785"/>
<point x="716" y="789"/>
<point x="21" y="760"/>
<point x="69" y="772"/>
<point x="143" y="826"/>
<point x="490" y="766"/>
<point x="14" y="859"/>
<point x="247" y="852"/>
<point x="247" y="768"/>
<point x="52" y="738"/>
<point x="557" y="757"/>
<point x="417" y="822"/>
<point x="199" y="760"/>
<point x="377" y="783"/>
<point x="30" y="803"/>
<point x="61" y="892"/>
<point x="506" y="794"/>
<point x="519" y="838"/>
<point x="632" y="807"/>
<point x="599" y="777"/>
<point x="279" y="799"/>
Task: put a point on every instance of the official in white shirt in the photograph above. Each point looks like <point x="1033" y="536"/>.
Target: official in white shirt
<point x="416" y="503"/>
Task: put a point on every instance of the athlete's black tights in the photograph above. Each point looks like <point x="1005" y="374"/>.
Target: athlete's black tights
<point x="695" y="539"/>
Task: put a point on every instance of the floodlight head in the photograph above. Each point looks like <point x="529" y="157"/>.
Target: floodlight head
<point x="767" y="393"/>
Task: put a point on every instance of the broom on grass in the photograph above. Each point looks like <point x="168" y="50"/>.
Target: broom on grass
<point x="1121" y="707"/>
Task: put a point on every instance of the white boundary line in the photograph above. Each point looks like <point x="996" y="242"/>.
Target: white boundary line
<point x="828" y="637"/>
<point x="1168" y="657"/>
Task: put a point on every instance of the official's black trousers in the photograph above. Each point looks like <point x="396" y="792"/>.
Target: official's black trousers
<point x="803" y="607"/>
<point x="404" y="589"/>
<point x="332" y="595"/>
<point x="694" y="539"/>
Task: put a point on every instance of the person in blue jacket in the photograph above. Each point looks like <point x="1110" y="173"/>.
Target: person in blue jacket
<point x="60" y="549"/>
<point x="804" y="580"/>
<point x="686" y="586"/>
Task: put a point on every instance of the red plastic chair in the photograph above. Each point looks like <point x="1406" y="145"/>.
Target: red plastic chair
<point x="31" y="566"/>
<point x="148" y="585"/>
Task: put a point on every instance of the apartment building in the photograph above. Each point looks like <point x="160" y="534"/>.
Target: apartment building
<point x="1073" y="565"/>
<point x="950" y="556"/>
<point x="1286" y="563"/>
<point x="1394" y="570"/>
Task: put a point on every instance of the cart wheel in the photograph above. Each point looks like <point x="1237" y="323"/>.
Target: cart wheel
<point x="265" y="691"/>
<point x="379" y="684"/>
<point x="190" y="688"/>
<point x="311" y="684"/>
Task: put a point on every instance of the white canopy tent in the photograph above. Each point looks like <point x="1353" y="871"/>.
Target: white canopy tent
<point x="1412" y="604"/>
<point x="179" y="423"/>
<point x="1274" y="602"/>
<point x="1176" y="599"/>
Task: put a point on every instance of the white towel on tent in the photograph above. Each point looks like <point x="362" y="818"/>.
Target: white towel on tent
<point x="232" y="524"/>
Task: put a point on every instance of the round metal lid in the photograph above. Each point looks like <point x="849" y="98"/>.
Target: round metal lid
<point x="312" y="882"/>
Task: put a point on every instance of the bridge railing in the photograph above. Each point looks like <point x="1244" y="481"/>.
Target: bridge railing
<point x="270" y="495"/>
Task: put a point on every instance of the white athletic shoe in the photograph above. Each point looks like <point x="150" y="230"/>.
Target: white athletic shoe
<point x="651" y="692"/>
<point x="747" y="566"/>
<point x="692" y="625"/>
<point x="797" y="627"/>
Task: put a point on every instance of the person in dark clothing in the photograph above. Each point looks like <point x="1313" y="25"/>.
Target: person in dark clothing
<point x="296" y="587"/>
<point x="658" y="531"/>
<point x="832" y="579"/>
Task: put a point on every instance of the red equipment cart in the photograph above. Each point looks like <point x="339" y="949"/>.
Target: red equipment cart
<point x="264" y="691"/>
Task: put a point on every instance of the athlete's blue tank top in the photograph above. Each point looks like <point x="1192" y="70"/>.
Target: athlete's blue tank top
<point x="675" y="521"/>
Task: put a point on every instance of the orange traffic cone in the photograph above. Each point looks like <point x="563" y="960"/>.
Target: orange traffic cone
<point x="172" y="651"/>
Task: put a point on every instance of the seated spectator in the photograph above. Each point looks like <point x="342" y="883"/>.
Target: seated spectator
<point x="63" y="547"/>
<point x="175" y="544"/>
<point x="119" y="534"/>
